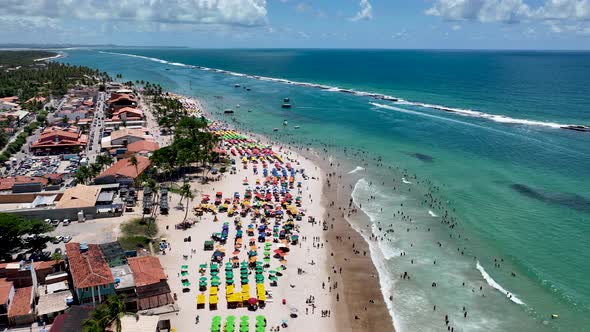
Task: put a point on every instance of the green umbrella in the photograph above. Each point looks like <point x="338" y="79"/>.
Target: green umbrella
<point x="202" y="279"/>
<point x="216" y="319"/>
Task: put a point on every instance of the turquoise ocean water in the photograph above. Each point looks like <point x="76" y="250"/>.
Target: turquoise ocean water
<point x="514" y="185"/>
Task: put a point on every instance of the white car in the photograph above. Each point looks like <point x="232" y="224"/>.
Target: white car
<point x="67" y="239"/>
<point x="66" y="222"/>
<point x="48" y="221"/>
<point x="58" y="239"/>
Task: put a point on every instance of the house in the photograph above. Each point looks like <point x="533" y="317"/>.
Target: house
<point x="120" y="100"/>
<point x="142" y="148"/>
<point x="137" y="323"/>
<point x="151" y="285"/>
<point x="11" y="99"/>
<point x="54" y="299"/>
<point x="91" y="275"/>
<point x="56" y="140"/>
<point x="6" y="296"/>
<point x="80" y="196"/>
<point x="128" y="114"/>
<point x="123" y="172"/>
<point x="38" y="99"/>
<point x="124" y="137"/>
<point x="45" y="268"/>
<point x="20" y="310"/>
<point x="72" y="320"/>
<point x="9" y="182"/>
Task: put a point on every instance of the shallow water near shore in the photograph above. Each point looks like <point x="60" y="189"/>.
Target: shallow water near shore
<point x="517" y="193"/>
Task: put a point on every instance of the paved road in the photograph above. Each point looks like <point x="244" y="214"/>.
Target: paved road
<point x="96" y="128"/>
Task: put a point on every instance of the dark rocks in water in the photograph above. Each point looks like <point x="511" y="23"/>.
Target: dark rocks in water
<point x="422" y="157"/>
<point x="573" y="201"/>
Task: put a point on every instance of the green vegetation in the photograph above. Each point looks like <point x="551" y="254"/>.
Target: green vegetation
<point x="191" y="145"/>
<point x="20" y="58"/>
<point x="53" y="79"/>
<point x="18" y="234"/>
<point x="18" y="143"/>
<point x="86" y="173"/>
<point x="137" y="233"/>
<point x="106" y="315"/>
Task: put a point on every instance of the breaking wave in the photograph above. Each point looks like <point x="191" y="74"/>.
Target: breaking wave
<point x="379" y="96"/>
<point x="497" y="286"/>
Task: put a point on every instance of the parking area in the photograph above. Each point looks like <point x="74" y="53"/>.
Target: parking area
<point x="91" y="231"/>
<point x="39" y="166"/>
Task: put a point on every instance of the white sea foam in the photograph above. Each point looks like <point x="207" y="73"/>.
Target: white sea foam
<point x="362" y="188"/>
<point x="497" y="286"/>
<point x="458" y="111"/>
<point x="432" y="214"/>
<point x="357" y="169"/>
<point x="406" y="181"/>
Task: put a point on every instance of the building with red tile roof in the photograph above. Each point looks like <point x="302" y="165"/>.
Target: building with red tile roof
<point x="9" y="182"/>
<point x="123" y="171"/>
<point x="142" y="147"/>
<point x="38" y="99"/>
<point x="151" y="285"/>
<point x="12" y="99"/>
<point x="92" y="277"/>
<point x="56" y="140"/>
<point x="6" y="295"/>
<point x="120" y="100"/>
<point x="20" y="310"/>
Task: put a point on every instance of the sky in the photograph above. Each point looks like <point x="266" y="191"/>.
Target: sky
<point x="422" y="24"/>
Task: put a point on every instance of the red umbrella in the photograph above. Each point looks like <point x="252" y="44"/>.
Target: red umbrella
<point x="252" y="300"/>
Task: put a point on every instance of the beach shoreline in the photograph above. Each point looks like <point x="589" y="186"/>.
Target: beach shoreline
<point x="361" y="306"/>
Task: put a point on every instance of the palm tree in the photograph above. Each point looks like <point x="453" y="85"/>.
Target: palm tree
<point x="186" y="192"/>
<point x="105" y="315"/>
<point x="134" y="163"/>
<point x="116" y="309"/>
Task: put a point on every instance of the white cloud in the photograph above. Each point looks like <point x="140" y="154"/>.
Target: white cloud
<point x="365" y="12"/>
<point x="228" y="12"/>
<point x="509" y="11"/>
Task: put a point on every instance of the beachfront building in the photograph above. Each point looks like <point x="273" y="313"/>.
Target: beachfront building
<point x="123" y="137"/>
<point x="151" y="283"/>
<point x="56" y="140"/>
<point x="121" y="100"/>
<point x="142" y="148"/>
<point x="124" y="172"/>
<point x="92" y="277"/>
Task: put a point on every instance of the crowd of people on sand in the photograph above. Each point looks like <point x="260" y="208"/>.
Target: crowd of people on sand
<point x="401" y="220"/>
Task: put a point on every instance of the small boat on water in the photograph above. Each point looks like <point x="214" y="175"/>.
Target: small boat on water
<point x="247" y="89"/>
<point x="276" y="129"/>
<point x="238" y="106"/>
<point x="236" y="86"/>
<point x="228" y="111"/>
<point x="286" y="105"/>
<point x="285" y="123"/>
<point x="297" y="127"/>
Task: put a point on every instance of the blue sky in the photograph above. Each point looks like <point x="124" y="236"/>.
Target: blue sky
<point x="464" y="24"/>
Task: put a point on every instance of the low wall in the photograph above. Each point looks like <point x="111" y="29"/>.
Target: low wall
<point x="25" y="197"/>
<point x="70" y="213"/>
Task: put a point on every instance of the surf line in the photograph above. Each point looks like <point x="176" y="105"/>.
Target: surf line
<point x="465" y="112"/>
<point x="496" y="285"/>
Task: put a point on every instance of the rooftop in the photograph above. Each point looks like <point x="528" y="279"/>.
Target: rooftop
<point x="124" y="168"/>
<point x="50" y="303"/>
<point x="79" y="196"/>
<point x="7" y="183"/>
<point x="123" y="277"/>
<point x="89" y="269"/>
<point x="5" y="287"/>
<point x="128" y="132"/>
<point x="147" y="270"/>
<point x="138" y="323"/>
<point x="21" y="302"/>
<point x="143" y="146"/>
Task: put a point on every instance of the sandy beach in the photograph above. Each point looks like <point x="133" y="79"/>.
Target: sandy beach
<point x="329" y="275"/>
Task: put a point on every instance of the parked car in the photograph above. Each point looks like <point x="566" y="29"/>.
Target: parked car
<point x="66" y="222"/>
<point x="55" y="222"/>
<point x="57" y="239"/>
<point x="67" y="239"/>
<point x="48" y="221"/>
